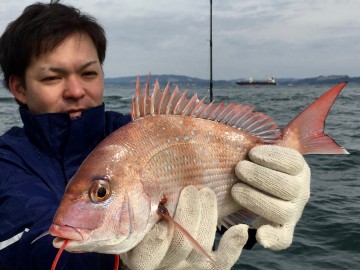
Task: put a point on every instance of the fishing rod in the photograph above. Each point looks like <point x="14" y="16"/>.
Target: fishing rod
<point x="211" y="77"/>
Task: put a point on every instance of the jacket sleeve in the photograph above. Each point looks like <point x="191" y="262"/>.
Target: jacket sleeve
<point x="27" y="206"/>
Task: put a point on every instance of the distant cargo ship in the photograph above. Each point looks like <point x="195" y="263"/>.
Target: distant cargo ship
<point x="251" y="81"/>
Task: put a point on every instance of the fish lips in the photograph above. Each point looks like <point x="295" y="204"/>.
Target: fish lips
<point x="63" y="232"/>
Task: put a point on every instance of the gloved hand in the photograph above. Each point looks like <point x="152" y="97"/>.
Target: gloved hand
<point x="276" y="186"/>
<point x="165" y="247"/>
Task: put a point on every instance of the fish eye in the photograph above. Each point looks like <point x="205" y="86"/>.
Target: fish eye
<point x="99" y="191"/>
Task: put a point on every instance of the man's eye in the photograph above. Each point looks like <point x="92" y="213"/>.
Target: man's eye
<point x="90" y="74"/>
<point x="50" y="78"/>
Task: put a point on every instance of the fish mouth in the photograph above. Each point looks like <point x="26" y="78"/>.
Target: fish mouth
<point x="59" y="242"/>
<point x="66" y="232"/>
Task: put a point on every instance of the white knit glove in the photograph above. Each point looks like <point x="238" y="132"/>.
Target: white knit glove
<point x="276" y="186"/>
<point x="165" y="247"/>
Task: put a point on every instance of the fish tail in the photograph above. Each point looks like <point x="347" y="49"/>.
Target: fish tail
<point x="307" y="129"/>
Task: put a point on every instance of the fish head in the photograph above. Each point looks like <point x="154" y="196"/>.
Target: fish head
<point x="105" y="208"/>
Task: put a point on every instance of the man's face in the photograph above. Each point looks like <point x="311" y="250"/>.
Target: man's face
<point x="66" y="79"/>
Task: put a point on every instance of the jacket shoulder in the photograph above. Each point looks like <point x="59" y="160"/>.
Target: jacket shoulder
<point x="13" y="144"/>
<point x="115" y="120"/>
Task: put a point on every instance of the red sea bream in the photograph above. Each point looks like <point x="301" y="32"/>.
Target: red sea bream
<point x="112" y="201"/>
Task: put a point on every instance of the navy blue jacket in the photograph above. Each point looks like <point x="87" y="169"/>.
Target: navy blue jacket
<point x="36" y="163"/>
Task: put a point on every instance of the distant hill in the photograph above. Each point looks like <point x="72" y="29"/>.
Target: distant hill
<point x="186" y="81"/>
<point x="331" y="79"/>
<point x="180" y="80"/>
<point x="162" y="79"/>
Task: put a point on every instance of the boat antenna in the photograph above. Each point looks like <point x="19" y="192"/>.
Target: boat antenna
<point x="211" y="77"/>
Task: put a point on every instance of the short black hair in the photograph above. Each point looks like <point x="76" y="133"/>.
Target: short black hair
<point x="40" y="29"/>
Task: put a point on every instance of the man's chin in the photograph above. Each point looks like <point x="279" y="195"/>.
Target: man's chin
<point x="74" y="116"/>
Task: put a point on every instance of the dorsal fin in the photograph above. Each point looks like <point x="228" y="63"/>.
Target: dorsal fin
<point x="176" y="103"/>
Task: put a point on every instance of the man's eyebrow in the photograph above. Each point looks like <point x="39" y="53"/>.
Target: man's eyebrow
<point x="88" y="64"/>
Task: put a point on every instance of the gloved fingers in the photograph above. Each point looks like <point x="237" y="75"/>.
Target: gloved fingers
<point x="276" y="237"/>
<point x="268" y="207"/>
<point x="231" y="246"/>
<point x="208" y="220"/>
<point x="188" y="215"/>
<point x="278" y="158"/>
<point x="207" y="226"/>
<point x="148" y="254"/>
<point x="278" y="184"/>
<point x="228" y="252"/>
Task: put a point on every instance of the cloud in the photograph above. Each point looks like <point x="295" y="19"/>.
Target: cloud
<point x="285" y="38"/>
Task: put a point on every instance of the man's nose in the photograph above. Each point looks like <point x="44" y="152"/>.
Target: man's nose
<point x="74" y="89"/>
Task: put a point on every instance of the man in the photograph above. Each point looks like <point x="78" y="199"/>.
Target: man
<point x="51" y="58"/>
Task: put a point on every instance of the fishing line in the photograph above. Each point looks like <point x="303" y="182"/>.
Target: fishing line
<point x="59" y="254"/>
<point x="117" y="262"/>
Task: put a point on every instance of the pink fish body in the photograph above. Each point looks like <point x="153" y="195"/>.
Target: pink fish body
<point x="112" y="201"/>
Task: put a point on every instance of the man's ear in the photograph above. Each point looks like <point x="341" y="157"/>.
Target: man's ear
<point x="17" y="88"/>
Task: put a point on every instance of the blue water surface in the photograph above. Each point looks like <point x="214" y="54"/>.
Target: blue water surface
<point x="328" y="234"/>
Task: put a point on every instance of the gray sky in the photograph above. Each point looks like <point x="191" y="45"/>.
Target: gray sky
<point x="282" y="38"/>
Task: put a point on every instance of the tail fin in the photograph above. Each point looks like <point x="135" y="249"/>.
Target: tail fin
<point x="308" y="127"/>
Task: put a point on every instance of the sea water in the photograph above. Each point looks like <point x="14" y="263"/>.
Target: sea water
<point x="328" y="234"/>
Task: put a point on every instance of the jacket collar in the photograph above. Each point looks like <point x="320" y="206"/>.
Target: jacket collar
<point x="69" y="141"/>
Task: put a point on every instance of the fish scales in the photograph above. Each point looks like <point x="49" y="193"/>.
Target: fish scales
<point x="204" y="155"/>
<point x="183" y="151"/>
<point x="112" y="201"/>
